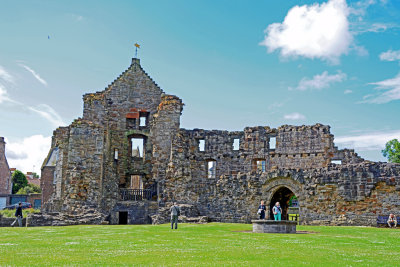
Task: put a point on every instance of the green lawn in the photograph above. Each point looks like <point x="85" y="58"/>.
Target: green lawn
<point x="208" y="244"/>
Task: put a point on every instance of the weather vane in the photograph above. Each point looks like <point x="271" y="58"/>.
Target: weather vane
<point x="136" y="46"/>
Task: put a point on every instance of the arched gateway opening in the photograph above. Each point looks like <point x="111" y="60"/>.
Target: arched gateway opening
<point x="288" y="202"/>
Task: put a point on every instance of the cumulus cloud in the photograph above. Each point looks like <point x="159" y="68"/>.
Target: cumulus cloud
<point x="294" y="116"/>
<point x="49" y="114"/>
<point x="368" y="141"/>
<point x="29" y="153"/>
<point x="312" y="31"/>
<point x="320" y="81"/>
<point x="387" y="90"/>
<point x="390" y="55"/>
<point x="34" y="73"/>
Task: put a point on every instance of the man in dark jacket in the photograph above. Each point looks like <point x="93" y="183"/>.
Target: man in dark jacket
<point x="18" y="215"/>
<point x="175" y="212"/>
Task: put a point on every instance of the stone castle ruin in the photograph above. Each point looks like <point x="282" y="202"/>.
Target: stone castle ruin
<point x="127" y="159"/>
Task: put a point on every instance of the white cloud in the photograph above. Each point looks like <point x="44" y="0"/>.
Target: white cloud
<point x="348" y="92"/>
<point x="28" y="152"/>
<point x="387" y="90"/>
<point x="294" y="116"/>
<point x="315" y="31"/>
<point x="320" y="81"/>
<point x="368" y="141"/>
<point x="49" y="114"/>
<point x="390" y="55"/>
<point x="36" y="75"/>
<point x="6" y="76"/>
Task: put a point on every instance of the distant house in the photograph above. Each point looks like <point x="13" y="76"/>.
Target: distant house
<point x="30" y="176"/>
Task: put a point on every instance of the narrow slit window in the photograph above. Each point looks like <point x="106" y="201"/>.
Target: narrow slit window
<point x="137" y="147"/>
<point x="236" y="144"/>
<point x="211" y="169"/>
<point x="142" y="121"/>
<point x="116" y="154"/>
<point x="336" y="161"/>
<point x="272" y="142"/>
<point x="202" y="145"/>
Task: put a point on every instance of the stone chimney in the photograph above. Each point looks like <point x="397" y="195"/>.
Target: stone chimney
<point x="5" y="174"/>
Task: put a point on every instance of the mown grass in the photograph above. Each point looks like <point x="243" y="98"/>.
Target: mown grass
<point x="198" y="245"/>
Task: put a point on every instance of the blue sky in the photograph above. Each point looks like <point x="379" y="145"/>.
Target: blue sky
<point x="234" y="64"/>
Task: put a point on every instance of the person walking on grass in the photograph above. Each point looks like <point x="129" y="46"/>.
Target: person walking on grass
<point x="277" y="211"/>
<point x="18" y="215"/>
<point x="175" y="212"/>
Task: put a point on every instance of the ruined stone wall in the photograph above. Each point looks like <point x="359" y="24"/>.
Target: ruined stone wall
<point x="5" y="174"/>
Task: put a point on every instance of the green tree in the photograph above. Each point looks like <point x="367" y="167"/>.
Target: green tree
<point x="29" y="189"/>
<point x="392" y="151"/>
<point x="19" y="181"/>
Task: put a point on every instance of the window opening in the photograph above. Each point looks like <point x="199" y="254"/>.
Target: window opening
<point x="236" y="144"/>
<point x="137" y="147"/>
<point x="260" y="165"/>
<point x="130" y="123"/>
<point x="143" y="119"/>
<point x="202" y="145"/>
<point x="336" y="161"/>
<point x="116" y="154"/>
<point x="136" y="182"/>
<point x="272" y="142"/>
<point x="211" y="168"/>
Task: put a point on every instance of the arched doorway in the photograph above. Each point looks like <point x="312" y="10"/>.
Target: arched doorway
<point x="287" y="200"/>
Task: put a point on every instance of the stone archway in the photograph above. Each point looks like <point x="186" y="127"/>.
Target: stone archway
<point x="281" y="189"/>
<point x="283" y="195"/>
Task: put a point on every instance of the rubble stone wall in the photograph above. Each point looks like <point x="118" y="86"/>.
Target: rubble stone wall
<point x="5" y="174"/>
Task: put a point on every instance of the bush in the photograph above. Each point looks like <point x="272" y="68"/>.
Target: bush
<point x="11" y="213"/>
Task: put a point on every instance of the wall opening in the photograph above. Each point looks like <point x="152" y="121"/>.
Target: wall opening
<point x="259" y="165"/>
<point x="288" y="202"/>
<point x="123" y="217"/>
<point x="336" y="161"/>
<point x="116" y="154"/>
<point x="211" y="168"/>
<point x="136" y="182"/>
<point x="236" y="144"/>
<point x="202" y="145"/>
<point x="143" y="119"/>
<point x="272" y="142"/>
<point x="130" y="123"/>
<point x="137" y="147"/>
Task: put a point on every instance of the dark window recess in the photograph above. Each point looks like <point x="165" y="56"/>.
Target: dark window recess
<point x="130" y="123"/>
<point x="123" y="217"/>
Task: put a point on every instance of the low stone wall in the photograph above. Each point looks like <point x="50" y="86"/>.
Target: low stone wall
<point x="6" y="222"/>
<point x="270" y="226"/>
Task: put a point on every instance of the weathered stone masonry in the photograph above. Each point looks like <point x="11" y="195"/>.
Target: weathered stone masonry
<point x="127" y="159"/>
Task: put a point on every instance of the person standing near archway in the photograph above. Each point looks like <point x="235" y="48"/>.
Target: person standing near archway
<point x="277" y="211"/>
<point x="261" y="210"/>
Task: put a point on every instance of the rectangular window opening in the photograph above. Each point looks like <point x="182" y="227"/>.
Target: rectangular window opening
<point x="236" y="144"/>
<point x="116" y="154"/>
<point x="143" y="119"/>
<point x="211" y="169"/>
<point x="202" y="145"/>
<point x="272" y="142"/>
<point x="260" y="165"/>
<point x="137" y="147"/>
<point x="130" y="123"/>
<point x="336" y="161"/>
<point x="136" y="182"/>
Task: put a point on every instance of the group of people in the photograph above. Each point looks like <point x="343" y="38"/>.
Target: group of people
<point x="276" y="210"/>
